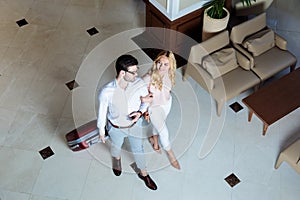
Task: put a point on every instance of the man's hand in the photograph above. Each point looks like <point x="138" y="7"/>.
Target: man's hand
<point x="135" y="116"/>
<point x="102" y="138"/>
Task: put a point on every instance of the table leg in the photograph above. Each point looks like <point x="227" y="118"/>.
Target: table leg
<point x="250" y="115"/>
<point x="265" y="128"/>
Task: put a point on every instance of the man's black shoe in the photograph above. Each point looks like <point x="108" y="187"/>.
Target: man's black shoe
<point x="148" y="181"/>
<point x="116" y="166"/>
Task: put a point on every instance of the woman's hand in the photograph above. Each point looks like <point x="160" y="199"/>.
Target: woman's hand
<point x="146" y="116"/>
<point x="147" y="99"/>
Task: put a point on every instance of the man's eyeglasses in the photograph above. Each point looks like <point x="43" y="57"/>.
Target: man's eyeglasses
<point x="133" y="73"/>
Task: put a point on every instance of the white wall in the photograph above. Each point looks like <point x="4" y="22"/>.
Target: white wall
<point x="163" y="3"/>
<point x="185" y="4"/>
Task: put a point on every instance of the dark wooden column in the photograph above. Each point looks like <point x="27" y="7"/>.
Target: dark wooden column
<point x="190" y="25"/>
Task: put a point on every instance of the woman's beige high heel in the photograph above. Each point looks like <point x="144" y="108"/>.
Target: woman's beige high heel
<point x="173" y="160"/>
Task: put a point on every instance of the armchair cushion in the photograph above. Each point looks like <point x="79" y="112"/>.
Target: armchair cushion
<point x="260" y="42"/>
<point x="220" y="62"/>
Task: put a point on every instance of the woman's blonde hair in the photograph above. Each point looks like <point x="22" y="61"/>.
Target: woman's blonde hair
<point x="156" y="78"/>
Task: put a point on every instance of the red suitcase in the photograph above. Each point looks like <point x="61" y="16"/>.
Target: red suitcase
<point x="84" y="136"/>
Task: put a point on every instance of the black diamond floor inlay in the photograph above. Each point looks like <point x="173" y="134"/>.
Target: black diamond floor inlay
<point x="22" y="22"/>
<point x="46" y="153"/>
<point x="72" y="84"/>
<point x="92" y="31"/>
<point x="236" y="107"/>
<point x="232" y="180"/>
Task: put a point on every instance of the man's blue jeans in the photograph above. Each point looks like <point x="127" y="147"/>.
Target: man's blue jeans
<point x="117" y="137"/>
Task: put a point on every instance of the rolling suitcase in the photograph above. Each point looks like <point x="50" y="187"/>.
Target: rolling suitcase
<point x="84" y="136"/>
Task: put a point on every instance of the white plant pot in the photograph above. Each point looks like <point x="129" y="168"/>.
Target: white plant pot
<point x="212" y="25"/>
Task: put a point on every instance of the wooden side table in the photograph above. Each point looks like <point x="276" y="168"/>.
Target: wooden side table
<point x="276" y="100"/>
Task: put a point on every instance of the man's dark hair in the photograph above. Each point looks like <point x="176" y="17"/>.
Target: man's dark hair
<point x="125" y="61"/>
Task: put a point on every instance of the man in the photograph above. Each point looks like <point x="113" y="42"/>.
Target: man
<point x="120" y="108"/>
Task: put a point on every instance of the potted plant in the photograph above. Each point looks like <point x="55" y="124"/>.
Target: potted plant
<point x="216" y="16"/>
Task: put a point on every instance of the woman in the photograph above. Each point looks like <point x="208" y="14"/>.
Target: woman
<point x="160" y="79"/>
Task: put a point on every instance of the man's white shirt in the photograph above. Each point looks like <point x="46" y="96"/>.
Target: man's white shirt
<point x="115" y="103"/>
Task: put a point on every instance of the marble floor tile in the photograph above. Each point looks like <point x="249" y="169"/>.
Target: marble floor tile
<point x="40" y="197"/>
<point x="66" y="43"/>
<point x="31" y="131"/>
<point x="98" y="177"/>
<point x="15" y="178"/>
<point x="67" y="109"/>
<point x="13" y="10"/>
<point x="250" y="190"/>
<point x="80" y="17"/>
<point x="91" y="3"/>
<point x="205" y="187"/>
<point x="46" y="12"/>
<point x="21" y="69"/>
<point x="46" y="97"/>
<point x="7" y="33"/>
<point x="6" y="194"/>
<point x="61" y="67"/>
<point x="32" y="34"/>
<point x="289" y="194"/>
<point x="10" y="55"/>
<point x="72" y="171"/>
<point x="14" y="93"/>
<point x="6" y="119"/>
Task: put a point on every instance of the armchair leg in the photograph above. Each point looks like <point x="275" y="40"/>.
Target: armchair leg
<point x="220" y="105"/>
<point x="292" y="67"/>
<point x="184" y="73"/>
<point x="261" y="84"/>
<point x="256" y="87"/>
<point x="185" y="76"/>
<point x="279" y="161"/>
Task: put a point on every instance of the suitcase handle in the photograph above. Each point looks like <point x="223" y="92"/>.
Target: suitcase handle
<point x="93" y="141"/>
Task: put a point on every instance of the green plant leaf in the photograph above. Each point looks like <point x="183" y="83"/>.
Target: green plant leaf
<point x="216" y="11"/>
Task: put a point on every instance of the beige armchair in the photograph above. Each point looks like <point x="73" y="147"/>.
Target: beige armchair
<point x="266" y="51"/>
<point x="219" y="69"/>
<point x="291" y="155"/>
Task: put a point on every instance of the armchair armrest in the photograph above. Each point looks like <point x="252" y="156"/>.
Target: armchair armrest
<point x="197" y="54"/>
<point x="200" y="75"/>
<point x="243" y="61"/>
<point x="280" y="42"/>
<point x="248" y="55"/>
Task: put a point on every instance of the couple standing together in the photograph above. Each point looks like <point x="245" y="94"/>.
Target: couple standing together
<point x="122" y="103"/>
